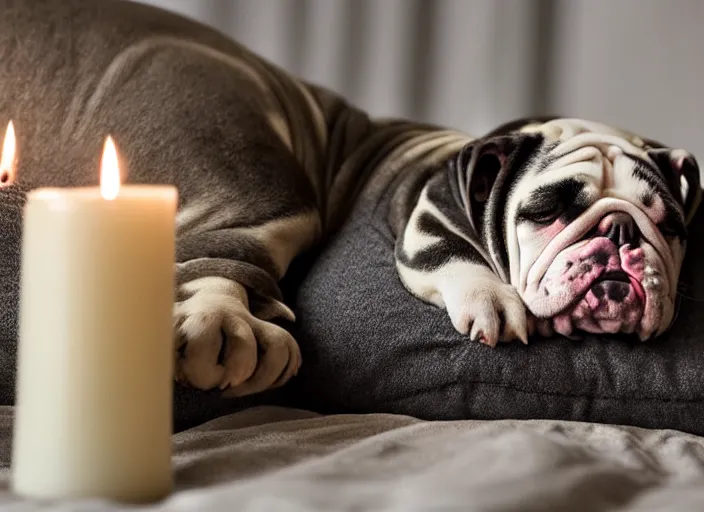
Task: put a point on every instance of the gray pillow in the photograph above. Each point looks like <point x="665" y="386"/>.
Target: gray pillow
<point x="369" y="346"/>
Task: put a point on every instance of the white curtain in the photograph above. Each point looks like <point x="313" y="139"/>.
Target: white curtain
<point x="472" y="64"/>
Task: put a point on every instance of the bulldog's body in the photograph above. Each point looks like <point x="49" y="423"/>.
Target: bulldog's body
<point x="586" y="229"/>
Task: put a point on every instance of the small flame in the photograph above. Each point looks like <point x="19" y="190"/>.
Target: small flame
<point x="109" y="171"/>
<point x="7" y="160"/>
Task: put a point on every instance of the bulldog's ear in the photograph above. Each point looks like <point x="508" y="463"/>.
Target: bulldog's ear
<point x="484" y="161"/>
<point x="681" y="171"/>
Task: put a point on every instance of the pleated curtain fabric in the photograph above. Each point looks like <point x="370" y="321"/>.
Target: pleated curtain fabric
<point x="452" y="62"/>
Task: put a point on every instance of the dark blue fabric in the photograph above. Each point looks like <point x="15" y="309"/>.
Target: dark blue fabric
<point x="369" y="346"/>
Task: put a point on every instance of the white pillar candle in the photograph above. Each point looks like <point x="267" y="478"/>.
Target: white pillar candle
<point x="95" y="359"/>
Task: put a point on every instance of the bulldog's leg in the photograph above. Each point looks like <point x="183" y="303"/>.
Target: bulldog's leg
<point x="439" y="261"/>
<point x="206" y="122"/>
<point x="227" y="295"/>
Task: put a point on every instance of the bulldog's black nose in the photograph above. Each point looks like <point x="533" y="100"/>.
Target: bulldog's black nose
<point x="620" y="228"/>
<point x="614" y="290"/>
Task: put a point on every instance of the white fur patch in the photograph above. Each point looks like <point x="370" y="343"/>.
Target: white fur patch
<point x="414" y="240"/>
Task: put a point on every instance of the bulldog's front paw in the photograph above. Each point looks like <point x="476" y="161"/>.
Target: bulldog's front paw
<point x="490" y="311"/>
<point x="219" y="343"/>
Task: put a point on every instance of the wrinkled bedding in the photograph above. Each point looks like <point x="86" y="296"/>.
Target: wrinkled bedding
<point x="271" y="459"/>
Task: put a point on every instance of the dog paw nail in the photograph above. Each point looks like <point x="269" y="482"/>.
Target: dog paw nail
<point x="486" y="341"/>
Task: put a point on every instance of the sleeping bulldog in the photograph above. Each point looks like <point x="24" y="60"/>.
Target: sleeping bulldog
<point x="547" y="225"/>
<point x="562" y="225"/>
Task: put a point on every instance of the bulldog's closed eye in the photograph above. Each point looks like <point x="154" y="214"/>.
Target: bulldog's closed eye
<point x="543" y="214"/>
<point x="550" y="202"/>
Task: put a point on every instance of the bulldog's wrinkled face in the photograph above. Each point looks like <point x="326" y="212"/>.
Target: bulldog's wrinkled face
<point x="594" y="224"/>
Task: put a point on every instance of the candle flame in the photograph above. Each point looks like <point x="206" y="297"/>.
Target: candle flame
<point x="109" y="171"/>
<point x="7" y="159"/>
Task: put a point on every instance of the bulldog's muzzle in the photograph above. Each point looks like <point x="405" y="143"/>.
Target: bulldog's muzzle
<point x="606" y="283"/>
<point x="609" y="271"/>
